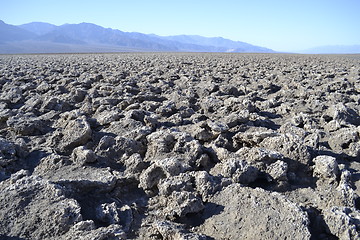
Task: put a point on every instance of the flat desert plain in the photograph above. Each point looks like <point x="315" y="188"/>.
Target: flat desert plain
<point x="179" y="146"/>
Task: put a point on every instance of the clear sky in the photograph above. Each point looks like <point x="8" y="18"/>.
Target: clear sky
<point x="283" y="25"/>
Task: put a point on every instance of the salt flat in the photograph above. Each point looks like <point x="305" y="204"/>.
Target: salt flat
<point x="179" y="146"/>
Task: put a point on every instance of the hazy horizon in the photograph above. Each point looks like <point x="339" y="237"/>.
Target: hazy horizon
<point x="278" y="25"/>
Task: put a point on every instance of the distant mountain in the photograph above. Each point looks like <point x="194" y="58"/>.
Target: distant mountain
<point x="37" y="37"/>
<point x="59" y="37"/>
<point x="94" y="34"/>
<point x="334" y="49"/>
<point x="225" y="45"/>
<point x="9" y="33"/>
<point x="39" y="28"/>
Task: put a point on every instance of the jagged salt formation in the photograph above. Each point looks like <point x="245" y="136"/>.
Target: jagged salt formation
<point x="179" y="146"/>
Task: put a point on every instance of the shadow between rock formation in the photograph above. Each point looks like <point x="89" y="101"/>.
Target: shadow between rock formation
<point x="3" y="237"/>
<point x="125" y="194"/>
<point x="318" y="227"/>
<point x="267" y="123"/>
<point x="33" y="159"/>
<point x="196" y="219"/>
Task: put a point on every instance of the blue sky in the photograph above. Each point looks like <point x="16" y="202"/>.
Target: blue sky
<point x="283" y="25"/>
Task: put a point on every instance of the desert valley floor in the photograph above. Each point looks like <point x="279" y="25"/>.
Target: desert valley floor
<point x="179" y="146"/>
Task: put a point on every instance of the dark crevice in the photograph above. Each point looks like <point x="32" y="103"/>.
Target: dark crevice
<point x="196" y="219"/>
<point x="318" y="227"/>
<point x="357" y="203"/>
<point x="4" y="237"/>
<point x="261" y="182"/>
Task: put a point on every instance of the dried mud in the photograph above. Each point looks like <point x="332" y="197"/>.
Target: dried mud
<point x="179" y="146"/>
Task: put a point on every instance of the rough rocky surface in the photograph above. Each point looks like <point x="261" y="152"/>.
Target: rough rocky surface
<point x="239" y="212"/>
<point x="179" y="146"/>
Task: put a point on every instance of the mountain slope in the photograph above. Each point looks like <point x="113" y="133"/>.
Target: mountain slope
<point x="92" y="33"/>
<point x="12" y="33"/>
<point x="39" y="28"/>
<point x="218" y="42"/>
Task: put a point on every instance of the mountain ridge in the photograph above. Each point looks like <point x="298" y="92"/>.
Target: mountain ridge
<point x="12" y="33"/>
<point x="38" y="28"/>
<point x="42" y="37"/>
<point x="85" y="36"/>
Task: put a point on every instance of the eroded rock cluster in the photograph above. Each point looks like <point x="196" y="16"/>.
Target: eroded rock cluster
<point x="179" y="146"/>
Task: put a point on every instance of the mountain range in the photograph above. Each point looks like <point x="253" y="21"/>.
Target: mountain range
<point x="39" y="37"/>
